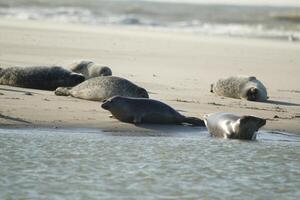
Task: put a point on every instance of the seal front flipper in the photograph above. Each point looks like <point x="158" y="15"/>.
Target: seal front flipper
<point x="193" y="121"/>
<point x="137" y="119"/>
<point x="62" y="91"/>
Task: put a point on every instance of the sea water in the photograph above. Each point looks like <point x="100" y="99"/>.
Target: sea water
<point x="278" y="19"/>
<point x="70" y="164"/>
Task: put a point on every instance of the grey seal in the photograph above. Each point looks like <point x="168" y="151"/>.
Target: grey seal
<point x="90" y="69"/>
<point x="39" y="77"/>
<point x="103" y="87"/>
<point x="142" y="110"/>
<point x="241" y="87"/>
<point x="228" y="125"/>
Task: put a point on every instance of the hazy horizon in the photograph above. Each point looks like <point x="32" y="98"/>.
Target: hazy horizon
<point x="239" y="2"/>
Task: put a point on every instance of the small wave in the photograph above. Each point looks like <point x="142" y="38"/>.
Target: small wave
<point x="64" y="14"/>
<point x="278" y="136"/>
<point x="289" y="17"/>
<point x="238" y="30"/>
<point x="72" y="15"/>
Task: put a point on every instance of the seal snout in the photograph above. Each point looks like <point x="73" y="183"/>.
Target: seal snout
<point x="105" y="104"/>
<point x="109" y="103"/>
<point x="262" y="122"/>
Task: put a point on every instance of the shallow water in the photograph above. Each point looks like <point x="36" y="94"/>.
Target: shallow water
<point x="88" y="164"/>
<point x="266" y="19"/>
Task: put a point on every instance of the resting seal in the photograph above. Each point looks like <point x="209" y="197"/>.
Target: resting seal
<point x="231" y="126"/>
<point x="141" y="110"/>
<point x="103" y="87"/>
<point x="89" y="69"/>
<point x="44" y="78"/>
<point x="241" y="87"/>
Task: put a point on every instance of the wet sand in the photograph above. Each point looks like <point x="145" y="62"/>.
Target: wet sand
<point x="175" y="68"/>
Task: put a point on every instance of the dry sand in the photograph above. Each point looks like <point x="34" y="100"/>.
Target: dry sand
<point x="176" y="68"/>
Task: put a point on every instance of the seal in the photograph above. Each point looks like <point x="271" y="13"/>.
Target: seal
<point x="241" y="87"/>
<point x="44" y="78"/>
<point x="142" y="110"/>
<point x="103" y="87"/>
<point x="89" y="69"/>
<point x="232" y="126"/>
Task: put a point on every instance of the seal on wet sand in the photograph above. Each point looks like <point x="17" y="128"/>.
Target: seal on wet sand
<point x="89" y="69"/>
<point x="241" y="87"/>
<point x="39" y="77"/>
<point x="103" y="87"/>
<point x="141" y="110"/>
<point x="232" y="126"/>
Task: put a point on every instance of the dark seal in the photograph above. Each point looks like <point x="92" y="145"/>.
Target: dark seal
<point x="141" y="110"/>
<point x="43" y="78"/>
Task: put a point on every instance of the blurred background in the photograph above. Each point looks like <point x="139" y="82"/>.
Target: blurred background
<point x="276" y="19"/>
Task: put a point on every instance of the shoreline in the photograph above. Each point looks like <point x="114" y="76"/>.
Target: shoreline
<point x="175" y="68"/>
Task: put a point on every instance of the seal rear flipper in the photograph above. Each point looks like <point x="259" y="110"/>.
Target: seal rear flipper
<point x="193" y="121"/>
<point x="62" y="91"/>
<point x="212" y="88"/>
<point x="252" y="78"/>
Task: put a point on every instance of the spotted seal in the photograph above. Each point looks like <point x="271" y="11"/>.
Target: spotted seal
<point x="39" y="77"/>
<point x="142" y="110"/>
<point x="241" y="87"/>
<point x="89" y="69"/>
<point x="232" y="126"/>
<point x="103" y="87"/>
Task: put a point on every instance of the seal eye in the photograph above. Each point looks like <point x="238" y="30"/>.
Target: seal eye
<point x="103" y="72"/>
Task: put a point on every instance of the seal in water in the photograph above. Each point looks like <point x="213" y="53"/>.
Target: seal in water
<point x="231" y="126"/>
<point x="103" y="87"/>
<point x="44" y="78"/>
<point x="89" y="69"/>
<point x="141" y="110"/>
<point x="241" y="87"/>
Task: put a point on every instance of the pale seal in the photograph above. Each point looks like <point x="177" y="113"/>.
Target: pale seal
<point x="141" y="110"/>
<point x="241" y="87"/>
<point x="89" y="69"/>
<point x="227" y="125"/>
<point x="44" y="78"/>
<point x="103" y="87"/>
